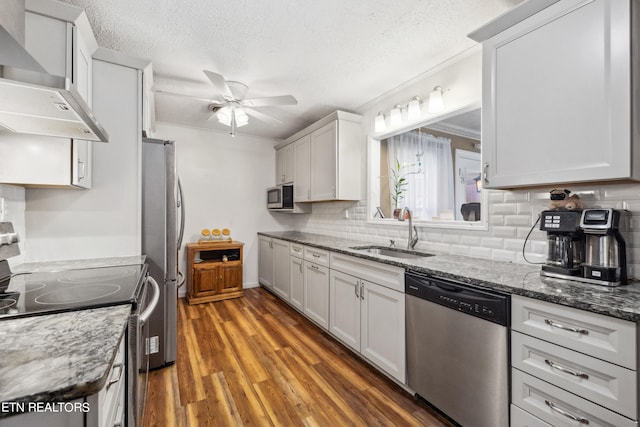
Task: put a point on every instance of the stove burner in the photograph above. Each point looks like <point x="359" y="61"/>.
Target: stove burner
<point x="30" y="287"/>
<point x="6" y="303"/>
<point x="96" y="275"/>
<point x="77" y="294"/>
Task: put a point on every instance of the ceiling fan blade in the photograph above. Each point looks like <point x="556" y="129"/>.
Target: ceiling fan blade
<point x="263" y="117"/>
<point x="219" y="82"/>
<point x="270" y="100"/>
<point x="182" y="95"/>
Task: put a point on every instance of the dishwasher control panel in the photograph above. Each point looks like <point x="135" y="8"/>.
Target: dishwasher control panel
<point x="486" y="304"/>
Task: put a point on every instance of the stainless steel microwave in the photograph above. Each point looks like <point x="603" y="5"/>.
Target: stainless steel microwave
<point x="280" y="197"/>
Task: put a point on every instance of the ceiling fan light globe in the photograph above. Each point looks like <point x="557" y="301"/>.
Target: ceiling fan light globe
<point x="241" y="117"/>
<point x="224" y="116"/>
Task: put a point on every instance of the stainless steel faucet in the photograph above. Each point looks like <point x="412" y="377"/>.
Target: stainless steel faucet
<point x="413" y="239"/>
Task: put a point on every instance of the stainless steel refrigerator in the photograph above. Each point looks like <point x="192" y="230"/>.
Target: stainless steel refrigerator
<point x="162" y="227"/>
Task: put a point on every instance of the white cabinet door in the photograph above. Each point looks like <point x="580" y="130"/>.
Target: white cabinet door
<point x="557" y="96"/>
<point x="316" y="293"/>
<point x="82" y="66"/>
<point x="344" y="308"/>
<point x="81" y="163"/>
<point x="281" y="282"/>
<point x="296" y="275"/>
<point x="302" y="169"/>
<point x="324" y="160"/>
<point x="285" y="158"/>
<point x="265" y="261"/>
<point x="383" y="328"/>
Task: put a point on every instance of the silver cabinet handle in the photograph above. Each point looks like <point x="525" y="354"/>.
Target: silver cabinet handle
<point x="356" y="289"/>
<point x="82" y="166"/>
<point x="566" y="370"/>
<point x="567" y="414"/>
<point x="301" y="270"/>
<point x="315" y="267"/>
<point x="361" y="290"/>
<point x="315" y="255"/>
<point x="144" y="316"/>
<point x="566" y="328"/>
<point x="485" y="173"/>
<point x="120" y="370"/>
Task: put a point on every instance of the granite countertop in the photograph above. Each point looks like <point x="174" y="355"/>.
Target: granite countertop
<point x="59" y="357"/>
<point x="622" y="302"/>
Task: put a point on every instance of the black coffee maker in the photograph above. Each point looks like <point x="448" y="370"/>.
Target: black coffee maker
<point x="565" y="243"/>
<point x="605" y="247"/>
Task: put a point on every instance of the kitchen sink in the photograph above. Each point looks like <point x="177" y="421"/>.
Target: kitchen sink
<point x="391" y="252"/>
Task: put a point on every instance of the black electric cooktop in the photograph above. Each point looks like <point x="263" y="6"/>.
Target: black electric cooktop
<point x="31" y="294"/>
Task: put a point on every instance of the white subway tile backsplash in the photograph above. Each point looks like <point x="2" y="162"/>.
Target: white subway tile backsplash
<point x="511" y="216"/>
<point x="503" y="208"/>
<point x="517" y="220"/>
<point x="508" y="232"/>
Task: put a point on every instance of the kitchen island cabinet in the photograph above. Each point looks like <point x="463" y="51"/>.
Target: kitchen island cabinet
<point x="558" y="97"/>
<point x="214" y="271"/>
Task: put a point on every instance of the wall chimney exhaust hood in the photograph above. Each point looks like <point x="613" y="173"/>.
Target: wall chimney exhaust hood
<point x="32" y="101"/>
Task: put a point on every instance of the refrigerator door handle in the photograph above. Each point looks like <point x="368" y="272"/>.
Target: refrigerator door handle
<point x="181" y="206"/>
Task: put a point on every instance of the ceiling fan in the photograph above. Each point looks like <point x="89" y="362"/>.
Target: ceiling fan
<point x="234" y="109"/>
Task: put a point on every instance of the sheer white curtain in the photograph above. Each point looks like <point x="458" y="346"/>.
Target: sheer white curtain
<point x="427" y="164"/>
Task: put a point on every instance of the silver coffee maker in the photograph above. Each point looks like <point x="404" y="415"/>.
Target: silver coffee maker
<point x="606" y="255"/>
<point x="565" y="243"/>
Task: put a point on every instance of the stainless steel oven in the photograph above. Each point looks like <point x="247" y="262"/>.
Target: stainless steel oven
<point x="138" y="351"/>
<point x="280" y="197"/>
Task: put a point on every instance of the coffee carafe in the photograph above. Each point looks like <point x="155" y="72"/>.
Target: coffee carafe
<point x="565" y="243"/>
<point x="605" y="247"/>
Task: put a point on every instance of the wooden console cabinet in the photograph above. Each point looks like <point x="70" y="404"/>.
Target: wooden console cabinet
<point x="214" y="271"/>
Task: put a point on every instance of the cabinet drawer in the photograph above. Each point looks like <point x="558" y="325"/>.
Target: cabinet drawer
<point x="317" y="256"/>
<point x="376" y="272"/>
<point x="604" y="337"/>
<point x="520" y="418"/>
<point x="558" y="407"/>
<point x="296" y="249"/>
<point x="601" y="382"/>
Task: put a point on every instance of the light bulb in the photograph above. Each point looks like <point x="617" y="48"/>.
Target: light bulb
<point x="241" y="117"/>
<point x="395" y="116"/>
<point x="224" y="116"/>
<point x="380" y="125"/>
<point x="413" y="109"/>
<point x="436" y="103"/>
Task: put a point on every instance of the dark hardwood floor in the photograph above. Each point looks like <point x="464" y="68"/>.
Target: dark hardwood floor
<point x="254" y="361"/>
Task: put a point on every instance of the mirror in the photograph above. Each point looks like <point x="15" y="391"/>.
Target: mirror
<point x="434" y="169"/>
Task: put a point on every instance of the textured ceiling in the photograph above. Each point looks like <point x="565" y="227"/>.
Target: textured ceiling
<point x="329" y="54"/>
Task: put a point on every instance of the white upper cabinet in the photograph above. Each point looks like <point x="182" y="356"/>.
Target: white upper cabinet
<point x="302" y="175"/>
<point x="557" y="89"/>
<point x="285" y="164"/>
<point x="59" y="37"/>
<point x="328" y="157"/>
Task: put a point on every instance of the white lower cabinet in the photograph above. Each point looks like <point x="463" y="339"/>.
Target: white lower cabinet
<point x="524" y="419"/>
<point x="296" y="276"/>
<point x="273" y="265"/>
<point x="571" y="367"/>
<point x="316" y="293"/>
<point x="559" y="407"/>
<point x="281" y="283"/>
<point x="368" y="317"/>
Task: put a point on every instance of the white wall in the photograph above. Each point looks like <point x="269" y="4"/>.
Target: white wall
<point x="103" y="221"/>
<point x="12" y="206"/>
<point x="224" y="181"/>
<point x="511" y="213"/>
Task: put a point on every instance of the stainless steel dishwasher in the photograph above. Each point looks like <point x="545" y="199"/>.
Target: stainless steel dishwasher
<point x="457" y="349"/>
